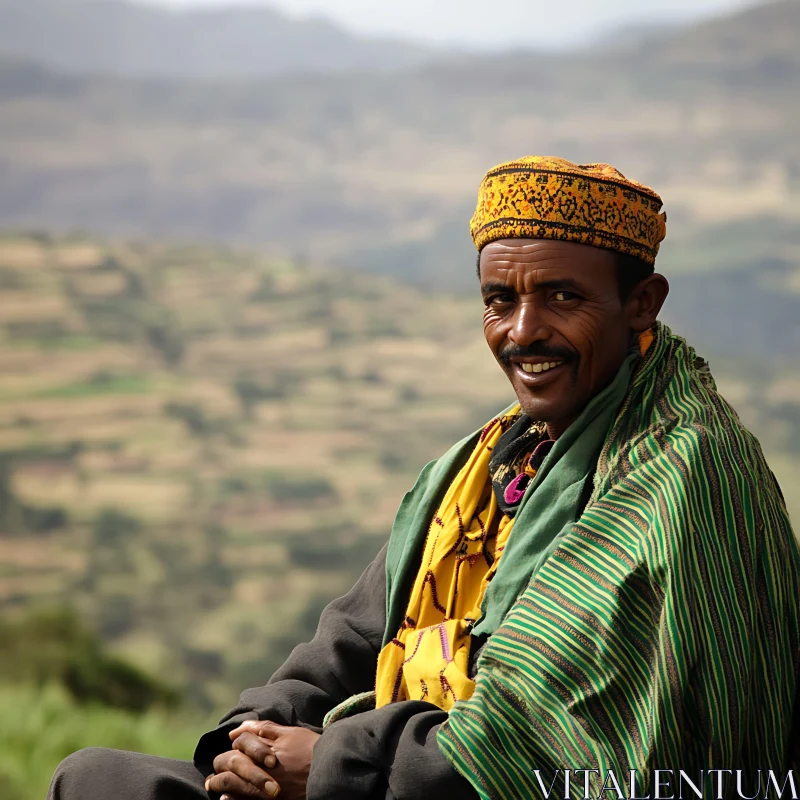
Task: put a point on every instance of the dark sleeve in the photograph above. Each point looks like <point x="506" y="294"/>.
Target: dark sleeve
<point x="386" y="754"/>
<point x="337" y="663"/>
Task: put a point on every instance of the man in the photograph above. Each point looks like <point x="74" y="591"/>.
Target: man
<point x="604" y="578"/>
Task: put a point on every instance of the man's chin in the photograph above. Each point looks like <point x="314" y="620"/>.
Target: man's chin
<point x="550" y="410"/>
<point x="540" y="412"/>
<point x="540" y="405"/>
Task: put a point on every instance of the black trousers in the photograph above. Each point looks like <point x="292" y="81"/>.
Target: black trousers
<point x="98" y="773"/>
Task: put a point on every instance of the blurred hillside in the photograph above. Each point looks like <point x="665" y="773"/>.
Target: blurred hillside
<point x="200" y="447"/>
<point x="136" y="40"/>
<point x="378" y="171"/>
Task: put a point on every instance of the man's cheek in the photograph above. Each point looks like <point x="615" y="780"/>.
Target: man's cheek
<point x="587" y="336"/>
<point x="494" y="338"/>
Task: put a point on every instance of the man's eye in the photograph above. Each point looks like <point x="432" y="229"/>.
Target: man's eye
<point x="498" y="299"/>
<point x="562" y="297"/>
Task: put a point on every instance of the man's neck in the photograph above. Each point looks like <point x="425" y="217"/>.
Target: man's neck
<point x="555" y="429"/>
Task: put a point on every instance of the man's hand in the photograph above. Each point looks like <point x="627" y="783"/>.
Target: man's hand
<point x="238" y="775"/>
<point x="290" y="746"/>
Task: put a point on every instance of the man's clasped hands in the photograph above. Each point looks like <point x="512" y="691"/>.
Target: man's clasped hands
<point x="266" y="759"/>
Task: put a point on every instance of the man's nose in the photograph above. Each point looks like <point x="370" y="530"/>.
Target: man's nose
<point x="528" y="326"/>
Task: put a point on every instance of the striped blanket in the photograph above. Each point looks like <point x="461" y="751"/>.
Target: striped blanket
<point x="663" y="633"/>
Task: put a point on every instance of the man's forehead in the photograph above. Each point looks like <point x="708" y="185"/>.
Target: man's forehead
<point x="524" y="250"/>
<point x="537" y="260"/>
<point x="521" y="245"/>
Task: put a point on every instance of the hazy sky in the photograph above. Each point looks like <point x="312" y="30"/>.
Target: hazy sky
<point x="492" y="23"/>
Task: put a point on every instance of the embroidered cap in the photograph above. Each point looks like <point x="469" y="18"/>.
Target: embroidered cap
<point x="543" y="197"/>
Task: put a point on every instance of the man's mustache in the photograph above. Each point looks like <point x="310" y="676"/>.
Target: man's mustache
<point x="535" y="351"/>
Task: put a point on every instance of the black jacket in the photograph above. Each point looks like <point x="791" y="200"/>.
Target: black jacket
<point x="389" y="753"/>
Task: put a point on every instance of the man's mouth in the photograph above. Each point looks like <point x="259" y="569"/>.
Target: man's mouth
<point x="536" y="374"/>
<point x="542" y="367"/>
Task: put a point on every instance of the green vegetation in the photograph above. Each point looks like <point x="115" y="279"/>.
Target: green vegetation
<point x="55" y="647"/>
<point x="40" y="726"/>
<point x="61" y="691"/>
<point x="98" y="384"/>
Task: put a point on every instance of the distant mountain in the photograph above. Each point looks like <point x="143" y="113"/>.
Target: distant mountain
<point x="634" y="34"/>
<point x="765" y="35"/>
<point x="128" y="39"/>
<point x="378" y="171"/>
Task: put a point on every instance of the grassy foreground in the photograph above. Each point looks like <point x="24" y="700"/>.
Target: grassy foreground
<point x="40" y="727"/>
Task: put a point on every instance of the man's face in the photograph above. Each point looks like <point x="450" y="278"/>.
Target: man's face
<point x="555" y="323"/>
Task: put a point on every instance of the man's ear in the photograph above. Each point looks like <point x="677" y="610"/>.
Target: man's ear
<point x="646" y="301"/>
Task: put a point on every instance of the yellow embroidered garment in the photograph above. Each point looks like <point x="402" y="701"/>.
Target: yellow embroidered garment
<point x="429" y="657"/>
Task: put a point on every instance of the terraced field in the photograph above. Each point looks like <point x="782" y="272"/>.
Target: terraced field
<point x="200" y="447"/>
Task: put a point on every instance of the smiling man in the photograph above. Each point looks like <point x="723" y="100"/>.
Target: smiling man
<point x="602" y="579"/>
<point x="560" y="320"/>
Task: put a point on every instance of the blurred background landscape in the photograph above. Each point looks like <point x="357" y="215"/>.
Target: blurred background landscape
<point x="239" y="312"/>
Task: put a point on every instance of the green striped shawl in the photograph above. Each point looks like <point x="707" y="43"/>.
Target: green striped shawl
<point x="663" y="632"/>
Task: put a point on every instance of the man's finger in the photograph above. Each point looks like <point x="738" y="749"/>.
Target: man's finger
<point x="271" y="729"/>
<point x="231" y="784"/>
<point x="242" y="767"/>
<point x="251" y="725"/>
<point x="264" y="728"/>
<point x="256" y="748"/>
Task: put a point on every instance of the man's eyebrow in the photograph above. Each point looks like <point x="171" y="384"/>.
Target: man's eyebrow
<point x="495" y="286"/>
<point x="556" y="283"/>
<point x="559" y="283"/>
